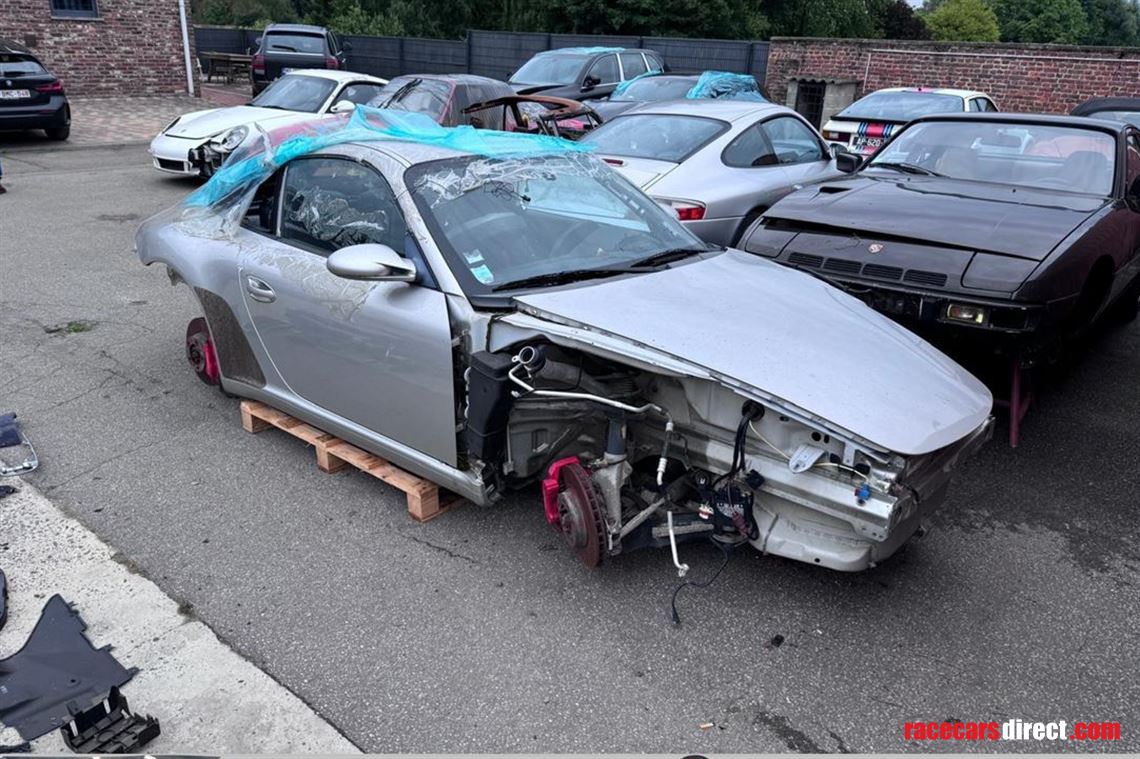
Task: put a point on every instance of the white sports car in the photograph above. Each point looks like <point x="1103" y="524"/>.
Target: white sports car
<point x="196" y="143"/>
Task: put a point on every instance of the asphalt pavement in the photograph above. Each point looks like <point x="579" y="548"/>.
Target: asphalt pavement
<point x="479" y="631"/>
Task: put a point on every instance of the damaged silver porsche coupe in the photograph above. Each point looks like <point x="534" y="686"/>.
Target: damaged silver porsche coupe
<point x="502" y="312"/>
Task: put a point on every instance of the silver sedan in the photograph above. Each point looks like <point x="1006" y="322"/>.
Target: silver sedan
<point x="717" y="164"/>
<point x="492" y="322"/>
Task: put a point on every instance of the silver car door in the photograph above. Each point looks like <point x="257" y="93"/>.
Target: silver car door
<point x="375" y="353"/>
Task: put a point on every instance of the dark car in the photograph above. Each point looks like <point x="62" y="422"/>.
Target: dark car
<point x="1118" y="109"/>
<point x="30" y="96"/>
<point x="652" y="87"/>
<point x="1007" y="231"/>
<point x="444" y="97"/>
<point x="284" y="47"/>
<point x="580" y="73"/>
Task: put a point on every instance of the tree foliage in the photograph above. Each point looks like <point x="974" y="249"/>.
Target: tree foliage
<point x="1094" y="22"/>
<point x="966" y="20"/>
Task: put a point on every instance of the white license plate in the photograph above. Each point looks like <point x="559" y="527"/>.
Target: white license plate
<point x="867" y="144"/>
<point x="15" y="94"/>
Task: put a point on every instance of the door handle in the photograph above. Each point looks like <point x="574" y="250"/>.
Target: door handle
<point x="259" y="291"/>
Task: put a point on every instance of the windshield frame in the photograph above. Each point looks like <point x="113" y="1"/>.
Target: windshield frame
<point x="846" y="115"/>
<point x="480" y="293"/>
<point x="1011" y="120"/>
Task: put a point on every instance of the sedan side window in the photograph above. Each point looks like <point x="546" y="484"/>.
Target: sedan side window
<point x="330" y="203"/>
<point x="632" y="64"/>
<point x="359" y="92"/>
<point x="605" y="70"/>
<point x="751" y="148"/>
<point x="655" y="63"/>
<point x="792" y="140"/>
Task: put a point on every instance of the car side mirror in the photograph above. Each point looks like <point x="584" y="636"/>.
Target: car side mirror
<point x="848" y="163"/>
<point x="343" y="106"/>
<point x="590" y="82"/>
<point x="371" y="262"/>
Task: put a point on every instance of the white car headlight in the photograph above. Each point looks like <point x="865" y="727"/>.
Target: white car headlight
<point x="231" y="139"/>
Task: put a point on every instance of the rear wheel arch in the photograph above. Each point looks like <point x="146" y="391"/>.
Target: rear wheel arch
<point x="1095" y="291"/>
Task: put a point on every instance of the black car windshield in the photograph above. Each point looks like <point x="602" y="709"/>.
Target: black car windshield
<point x="652" y="135"/>
<point x="282" y="42"/>
<point x="296" y="92"/>
<point x="408" y="93"/>
<point x="551" y="68"/>
<point x="500" y="221"/>
<point x="1062" y="158"/>
<point x="15" y="65"/>
<point x="901" y="106"/>
<point x="656" y="88"/>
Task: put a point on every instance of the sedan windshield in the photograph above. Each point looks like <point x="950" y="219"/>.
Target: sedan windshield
<point x="901" y="106"/>
<point x="651" y="135"/>
<point x="550" y="68"/>
<point x="407" y="93"/>
<point x="656" y="88"/>
<point x="514" y="223"/>
<point x="1064" y="158"/>
<point x="296" y="92"/>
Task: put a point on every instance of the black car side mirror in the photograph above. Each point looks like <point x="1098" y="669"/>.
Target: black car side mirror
<point x="590" y="82"/>
<point x="848" y="163"/>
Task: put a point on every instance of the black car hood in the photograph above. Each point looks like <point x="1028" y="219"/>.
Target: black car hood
<point x="971" y="215"/>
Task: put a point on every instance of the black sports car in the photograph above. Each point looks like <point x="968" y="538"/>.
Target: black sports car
<point x="1002" y="230"/>
<point x="1118" y="109"/>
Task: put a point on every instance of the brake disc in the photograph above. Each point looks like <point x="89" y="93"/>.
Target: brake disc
<point x="580" y="510"/>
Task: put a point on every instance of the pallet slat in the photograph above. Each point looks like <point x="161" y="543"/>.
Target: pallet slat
<point x="426" y="500"/>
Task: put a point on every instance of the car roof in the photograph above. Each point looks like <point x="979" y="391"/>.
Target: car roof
<point x="1044" y="119"/>
<point x="934" y="91"/>
<point x="337" y="76"/>
<point x="595" y="50"/>
<point x="713" y="108"/>
<point x="458" y="78"/>
<point x="303" y="28"/>
<point x="11" y="46"/>
<point x="1107" y="104"/>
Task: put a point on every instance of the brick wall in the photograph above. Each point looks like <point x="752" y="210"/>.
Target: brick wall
<point x="133" y="48"/>
<point x="1050" y="78"/>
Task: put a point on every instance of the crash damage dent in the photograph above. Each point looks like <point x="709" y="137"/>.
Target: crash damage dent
<point x="815" y="493"/>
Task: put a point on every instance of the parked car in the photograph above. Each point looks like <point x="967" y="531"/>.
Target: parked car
<point x="579" y="73"/>
<point x="197" y="143"/>
<point x="1002" y="230"/>
<point x="444" y="97"/>
<point x="1119" y="109"/>
<point x="488" y="320"/>
<point x="656" y="86"/>
<point x="717" y="164"/>
<point x="866" y="124"/>
<point x="31" y="97"/>
<point x="285" y="48"/>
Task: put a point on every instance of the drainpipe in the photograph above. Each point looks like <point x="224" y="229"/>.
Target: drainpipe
<point x="186" y="47"/>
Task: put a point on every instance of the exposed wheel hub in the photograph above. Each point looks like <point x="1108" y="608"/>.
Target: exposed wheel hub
<point x="200" y="352"/>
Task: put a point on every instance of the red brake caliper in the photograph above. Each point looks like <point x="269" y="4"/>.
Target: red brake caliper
<point x="200" y="352"/>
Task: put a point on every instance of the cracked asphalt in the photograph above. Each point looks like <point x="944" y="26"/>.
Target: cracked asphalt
<point x="478" y="631"/>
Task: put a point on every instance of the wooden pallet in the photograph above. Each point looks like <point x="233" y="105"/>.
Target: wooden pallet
<point x="426" y="500"/>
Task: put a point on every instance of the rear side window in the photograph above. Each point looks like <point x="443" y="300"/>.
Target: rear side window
<point x="19" y="65"/>
<point x="330" y="203"/>
<point x="632" y="64"/>
<point x="360" y="92"/>
<point x="668" y="138"/>
<point x="605" y="70"/>
<point x="655" y="62"/>
<point x="751" y="148"/>
<point x="280" y="42"/>
<point x="793" y="141"/>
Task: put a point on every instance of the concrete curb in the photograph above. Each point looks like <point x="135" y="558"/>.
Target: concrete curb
<point x="62" y="148"/>
<point x="206" y="697"/>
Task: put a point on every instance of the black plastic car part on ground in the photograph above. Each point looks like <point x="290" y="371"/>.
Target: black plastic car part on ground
<point x="1117" y="109"/>
<point x="31" y="97"/>
<point x="284" y="47"/>
<point x="109" y="727"/>
<point x="1012" y="231"/>
<point x="582" y="73"/>
<point x="57" y="667"/>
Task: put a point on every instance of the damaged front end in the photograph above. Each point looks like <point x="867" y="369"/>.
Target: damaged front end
<point x="633" y="455"/>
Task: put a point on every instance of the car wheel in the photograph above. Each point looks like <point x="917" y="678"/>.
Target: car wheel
<point x="749" y="220"/>
<point x="60" y="133"/>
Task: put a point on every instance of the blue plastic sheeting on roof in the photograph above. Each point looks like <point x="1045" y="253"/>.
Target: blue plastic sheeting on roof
<point x="583" y="50"/>
<point x="257" y="159"/>
<point x="626" y="84"/>
<point x="727" y="86"/>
